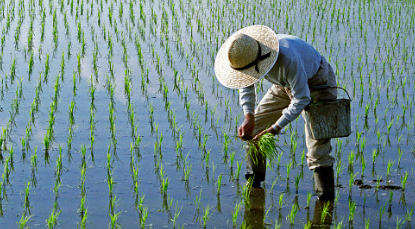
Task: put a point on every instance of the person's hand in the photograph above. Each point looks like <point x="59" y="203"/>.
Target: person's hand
<point x="247" y="127"/>
<point x="270" y="130"/>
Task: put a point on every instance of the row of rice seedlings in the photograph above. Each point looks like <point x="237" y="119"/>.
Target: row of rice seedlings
<point x="49" y="135"/>
<point x="52" y="221"/>
<point x="26" y="215"/>
<point x="92" y="112"/>
<point x="71" y="116"/>
<point x="34" y="109"/>
<point x="131" y="112"/>
<point x="111" y="111"/>
<point x="164" y="181"/>
<point x="8" y="169"/>
<point x="134" y="176"/>
<point x="112" y="197"/>
<point x="83" y="211"/>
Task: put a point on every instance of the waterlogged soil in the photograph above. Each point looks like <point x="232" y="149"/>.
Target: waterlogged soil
<point x="151" y="139"/>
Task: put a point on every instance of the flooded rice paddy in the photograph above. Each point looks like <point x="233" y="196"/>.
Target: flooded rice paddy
<point x="111" y="116"/>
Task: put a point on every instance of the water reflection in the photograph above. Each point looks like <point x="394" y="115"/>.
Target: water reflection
<point x="323" y="214"/>
<point x="255" y="209"/>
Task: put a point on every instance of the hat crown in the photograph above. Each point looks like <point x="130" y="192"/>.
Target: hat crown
<point x="243" y="50"/>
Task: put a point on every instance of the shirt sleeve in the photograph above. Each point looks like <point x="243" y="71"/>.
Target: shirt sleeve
<point x="247" y="99"/>
<point x="297" y="82"/>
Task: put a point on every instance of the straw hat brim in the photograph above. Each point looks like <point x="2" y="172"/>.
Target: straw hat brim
<point x="236" y="79"/>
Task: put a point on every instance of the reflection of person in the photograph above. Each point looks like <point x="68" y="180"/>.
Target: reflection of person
<point x="293" y="67"/>
<point x="255" y="211"/>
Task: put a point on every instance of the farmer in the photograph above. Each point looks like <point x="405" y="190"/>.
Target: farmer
<point x="294" y="68"/>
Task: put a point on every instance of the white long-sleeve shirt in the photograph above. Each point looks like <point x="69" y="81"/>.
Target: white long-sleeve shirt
<point x="297" y="62"/>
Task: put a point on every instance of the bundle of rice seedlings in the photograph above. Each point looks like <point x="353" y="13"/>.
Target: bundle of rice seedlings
<point x="264" y="148"/>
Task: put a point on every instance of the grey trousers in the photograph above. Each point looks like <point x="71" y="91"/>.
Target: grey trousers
<point x="270" y="108"/>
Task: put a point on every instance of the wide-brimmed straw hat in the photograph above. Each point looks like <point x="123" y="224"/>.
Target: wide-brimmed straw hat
<point x="246" y="56"/>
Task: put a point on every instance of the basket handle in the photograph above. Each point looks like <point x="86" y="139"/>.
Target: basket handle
<point x="324" y="87"/>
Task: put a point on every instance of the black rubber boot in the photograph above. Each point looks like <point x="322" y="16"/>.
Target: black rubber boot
<point x="255" y="169"/>
<point x="324" y="183"/>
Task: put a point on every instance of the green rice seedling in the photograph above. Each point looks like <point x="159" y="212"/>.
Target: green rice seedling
<point x="11" y="157"/>
<point x="232" y="158"/>
<point x="235" y="213"/>
<point x="206" y="157"/>
<point x="226" y="143"/>
<point x="288" y="166"/>
<point x="114" y="219"/>
<point x="367" y="223"/>
<point x="246" y="191"/>
<point x="33" y="162"/>
<point x="400" y="153"/>
<point x="31" y="62"/>
<point x="389" y="126"/>
<point x="59" y="166"/>
<point x="277" y="224"/>
<point x="46" y="70"/>
<point x="24" y="148"/>
<point x="363" y="166"/>
<point x="308" y="200"/>
<point x="187" y="169"/>
<point x="197" y="202"/>
<point x="339" y="225"/>
<point x="13" y="70"/>
<point x="140" y="205"/>
<point x="408" y="214"/>
<point x="404" y="180"/>
<point x="26" y="203"/>
<point x="281" y="200"/>
<point x="306" y="226"/>
<point x="83" y="212"/>
<point x="374" y="156"/>
<point x="206" y="215"/>
<point x="24" y="220"/>
<point x="339" y="168"/>
<point x="351" y="160"/>
<point x="273" y="184"/>
<point x="238" y="169"/>
<point x="390" y="164"/>
<point x="352" y="210"/>
<point x="6" y="171"/>
<point x="325" y="212"/>
<point x="399" y="222"/>
<point x="78" y="58"/>
<point x="297" y="182"/>
<point x="291" y="217"/>
<point x="53" y="218"/>
<point x="83" y="47"/>
<point x="164" y="185"/>
<point x="219" y="184"/>
<point x="390" y="201"/>
<point x="63" y="65"/>
<point x="71" y="113"/>
<point x="176" y="214"/>
<point x="303" y="156"/>
<point x="213" y="168"/>
<point x="382" y="210"/>
<point x="143" y="217"/>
